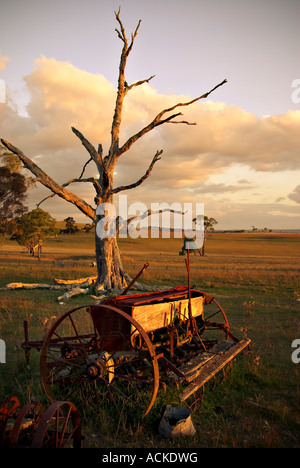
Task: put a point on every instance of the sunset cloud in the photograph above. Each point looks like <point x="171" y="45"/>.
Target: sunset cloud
<point x="62" y="96"/>
<point x="295" y="195"/>
<point x="3" y="61"/>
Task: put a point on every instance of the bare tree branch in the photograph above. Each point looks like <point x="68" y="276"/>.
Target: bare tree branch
<point x="133" y="36"/>
<point x="158" y="120"/>
<point x="141" y="180"/>
<point x="96" y="157"/>
<point x="137" y="83"/>
<point x="146" y="214"/>
<point x="88" y="179"/>
<point x="84" y="167"/>
<point x="115" y="128"/>
<point x="121" y="34"/>
<point x="182" y="122"/>
<point x="72" y="181"/>
<point x="44" y="199"/>
<point x="48" y="182"/>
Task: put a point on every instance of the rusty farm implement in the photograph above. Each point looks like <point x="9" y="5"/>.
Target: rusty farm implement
<point x="121" y="350"/>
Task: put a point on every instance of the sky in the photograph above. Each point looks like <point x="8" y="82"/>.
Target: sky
<point x="59" y="64"/>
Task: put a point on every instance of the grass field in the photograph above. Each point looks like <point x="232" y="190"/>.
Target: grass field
<point x="256" y="279"/>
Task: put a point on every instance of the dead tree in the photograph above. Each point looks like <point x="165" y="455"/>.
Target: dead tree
<point x="111" y="274"/>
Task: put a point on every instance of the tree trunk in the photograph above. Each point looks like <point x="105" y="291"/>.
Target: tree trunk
<point x="110" y="271"/>
<point x="39" y="247"/>
<point x="109" y="265"/>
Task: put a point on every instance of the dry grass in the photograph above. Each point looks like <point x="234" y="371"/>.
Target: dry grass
<point x="256" y="279"/>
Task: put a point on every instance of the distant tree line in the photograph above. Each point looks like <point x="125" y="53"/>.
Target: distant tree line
<point x="72" y="228"/>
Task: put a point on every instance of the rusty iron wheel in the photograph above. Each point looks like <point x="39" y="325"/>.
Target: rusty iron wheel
<point x="59" y="427"/>
<point x="100" y="354"/>
<point x="215" y="320"/>
<point x="25" y="425"/>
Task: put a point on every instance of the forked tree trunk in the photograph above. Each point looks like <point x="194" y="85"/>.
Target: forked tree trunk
<point x="110" y="270"/>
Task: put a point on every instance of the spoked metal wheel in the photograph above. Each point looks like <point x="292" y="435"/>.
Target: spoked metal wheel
<point x="59" y="427"/>
<point x="216" y="325"/>
<point x="100" y="355"/>
<point x="65" y="354"/>
<point x="25" y="425"/>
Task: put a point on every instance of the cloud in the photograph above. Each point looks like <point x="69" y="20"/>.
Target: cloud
<point x="222" y="188"/>
<point x="295" y="195"/>
<point x="62" y="96"/>
<point x="3" y="61"/>
<point x="227" y="134"/>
